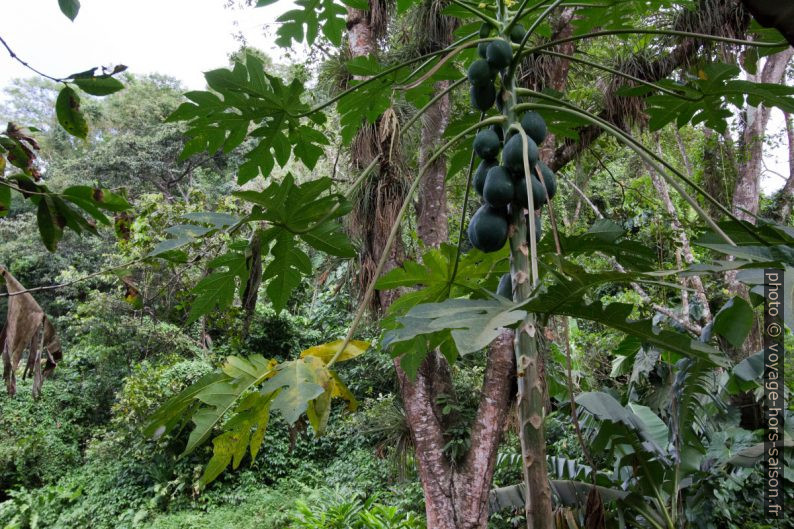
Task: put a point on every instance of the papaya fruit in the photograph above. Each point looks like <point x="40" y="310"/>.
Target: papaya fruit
<point x="517" y="33"/>
<point x="486" y="144"/>
<point x="479" y="73"/>
<point x="534" y="126"/>
<point x="499" y="189"/>
<point x="538" y="192"/>
<point x="499" y="54"/>
<point x="505" y="288"/>
<point x="478" y="179"/>
<point x="513" y="156"/>
<point x="549" y="179"/>
<point x="482" y="97"/>
<point x="482" y="49"/>
<point x="485" y="30"/>
<point x="488" y="229"/>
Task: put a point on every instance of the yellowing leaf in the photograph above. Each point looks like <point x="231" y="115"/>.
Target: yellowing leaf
<point x="339" y="390"/>
<point x="327" y="351"/>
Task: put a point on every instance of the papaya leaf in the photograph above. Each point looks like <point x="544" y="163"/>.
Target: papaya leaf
<point x="248" y="97"/>
<point x="473" y="323"/>
<point x="310" y="19"/>
<point x="327" y="351"/>
<point x="226" y="446"/>
<point x="708" y="93"/>
<point x="217" y="289"/>
<point x="175" y="410"/>
<point x="218" y="397"/>
<point x="285" y="270"/>
<point x="67" y="109"/>
<point x="297" y="382"/>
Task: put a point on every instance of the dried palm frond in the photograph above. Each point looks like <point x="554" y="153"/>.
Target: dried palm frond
<point x="27" y="328"/>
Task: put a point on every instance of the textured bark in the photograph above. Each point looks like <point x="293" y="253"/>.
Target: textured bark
<point x="785" y="196"/>
<point x="432" y="225"/>
<point x="746" y="192"/>
<point x="456" y="496"/>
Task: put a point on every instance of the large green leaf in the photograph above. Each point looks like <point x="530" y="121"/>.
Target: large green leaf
<point x="649" y="427"/>
<point x="310" y="19"/>
<point x="706" y="94"/>
<point x="285" y="270"/>
<point x="247" y="102"/>
<point x="734" y="321"/>
<point x="241" y="374"/>
<point x="566" y="493"/>
<point x="217" y="289"/>
<point x="297" y="382"/>
<point x="473" y="323"/>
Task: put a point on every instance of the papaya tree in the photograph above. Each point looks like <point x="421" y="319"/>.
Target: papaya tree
<point x="498" y="282"/>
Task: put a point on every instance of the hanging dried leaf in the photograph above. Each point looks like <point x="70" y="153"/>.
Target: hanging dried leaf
<point x="594" y="512"/>
<point x="253" y="261"/>
<point x="27" y="328"/>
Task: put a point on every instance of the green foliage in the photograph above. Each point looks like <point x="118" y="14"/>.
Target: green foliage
<point x="353" y="513"/>
<point x="250" y="96"/>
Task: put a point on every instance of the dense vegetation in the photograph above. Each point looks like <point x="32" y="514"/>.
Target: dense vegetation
<point x="202" y="243"/>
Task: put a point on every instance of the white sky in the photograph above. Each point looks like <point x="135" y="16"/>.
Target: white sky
<point x="181" y="38"/>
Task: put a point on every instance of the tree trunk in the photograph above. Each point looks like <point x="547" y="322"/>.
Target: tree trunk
<point x="456" y="494"/>
<point x="746" y="192"/>
<point x="432" y="223"/>
<point x="785" y="197"/>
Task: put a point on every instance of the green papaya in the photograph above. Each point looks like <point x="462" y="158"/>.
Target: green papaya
<point x="486" y="144"/>
<point x="505" y="288"/>
<point x="482" y="97"/>
<point x="485" y="30"/>
<point x="549" y="179"/>
<point x="513" y="156"/>
<point x="499" y="189"/>
<point x="482" y="49"/>
<point x="534" y="125"/>
<point x="538" y="193"/>
<point x="479" y="73"/>
<point x="499" y="54"/>
<point x="488" y="229"/>
<point x="478" y="179"/>
<point x="517" y="33"/>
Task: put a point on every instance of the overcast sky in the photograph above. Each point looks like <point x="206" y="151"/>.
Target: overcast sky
<point x="181" y="38"/>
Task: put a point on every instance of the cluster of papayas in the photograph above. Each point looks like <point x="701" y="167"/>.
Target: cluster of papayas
<point x="494" y="57"/>
<point x="502" y="184"/>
